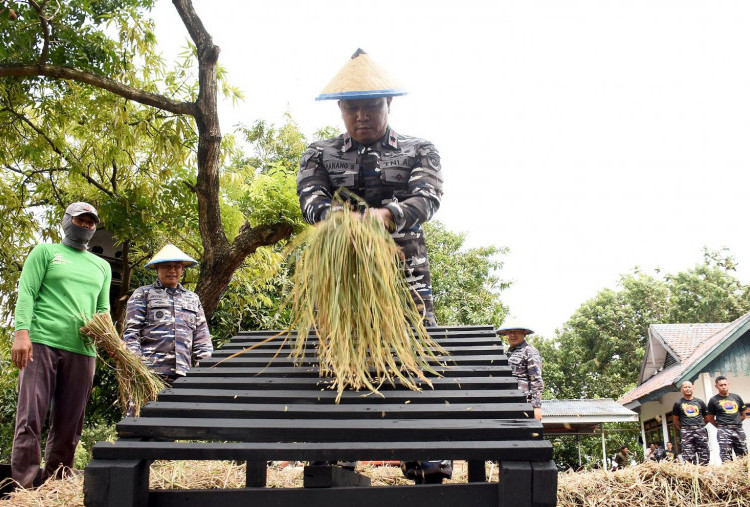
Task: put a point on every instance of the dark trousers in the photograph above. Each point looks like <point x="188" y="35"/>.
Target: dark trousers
<point x="694" y="442"/>
<point x="731" y="438"/>
<point x="60" y="382"/>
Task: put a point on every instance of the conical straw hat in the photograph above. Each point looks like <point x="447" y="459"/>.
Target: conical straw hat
<point x="512" y="324"/>
<point x="361" y="78"/>
<point x="171" y="253"/>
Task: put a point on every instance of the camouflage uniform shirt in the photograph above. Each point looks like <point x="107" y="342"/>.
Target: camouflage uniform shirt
<point x="166" y="326"/>
<point x="526" y="363"/>
<point x="397" y="172"/>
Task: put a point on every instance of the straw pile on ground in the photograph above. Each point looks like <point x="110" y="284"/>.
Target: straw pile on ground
<point x="136" y="382"/>
<point x="659" y="484"/>
<point x="646" y="485"/>
<point x="350" y="291"/>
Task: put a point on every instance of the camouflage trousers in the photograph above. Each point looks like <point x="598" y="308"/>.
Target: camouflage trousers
<point x="694" y="442"/>
<point x="730" y="438"/>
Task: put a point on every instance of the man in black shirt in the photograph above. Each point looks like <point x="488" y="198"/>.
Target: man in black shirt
<point x="690" y="415"/>
<point x="726" y="411"/>
<point x="669" y="452"/>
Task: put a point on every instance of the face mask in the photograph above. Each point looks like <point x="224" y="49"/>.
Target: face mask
<point x="75" y="236"/>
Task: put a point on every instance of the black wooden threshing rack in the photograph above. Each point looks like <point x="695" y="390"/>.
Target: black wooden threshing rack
<point x="245" y="409"/>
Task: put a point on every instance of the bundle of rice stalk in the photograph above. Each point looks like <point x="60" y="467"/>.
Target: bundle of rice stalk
<point x="137" y="383"/>
<point x="351" y="292"/>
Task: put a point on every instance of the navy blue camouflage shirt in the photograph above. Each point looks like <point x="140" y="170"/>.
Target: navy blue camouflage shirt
<point x="167" y="327"/>
<point x="526" y="363"/>
<point x="397" y="172"/>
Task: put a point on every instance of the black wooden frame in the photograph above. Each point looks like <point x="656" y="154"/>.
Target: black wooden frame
<point x="247" y="409"/>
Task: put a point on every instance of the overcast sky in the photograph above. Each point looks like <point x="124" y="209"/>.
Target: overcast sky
<point x="587" y="136"/>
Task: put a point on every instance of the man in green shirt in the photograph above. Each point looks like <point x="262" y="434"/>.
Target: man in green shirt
<point x="60" y="286"/>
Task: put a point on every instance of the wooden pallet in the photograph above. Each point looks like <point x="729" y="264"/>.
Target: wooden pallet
<point x="246" y="409"/>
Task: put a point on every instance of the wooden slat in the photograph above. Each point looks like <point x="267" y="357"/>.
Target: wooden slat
<point x="348" y="397"/>
<point x="411" y="496"/>
<point x="454" y="330"/>
<point x="330" y="430"/>
<point x="270" y="362"/>
<point x="494" y="370"/>
<point x="230" y="349"/>
<point x="537" y="450"/>
<point x="544" y="483"/>
<point x="315" y="411"/>
<point x="515" y="486"/>
<point x="263" y="382"/>
<point x="443" y="341"/>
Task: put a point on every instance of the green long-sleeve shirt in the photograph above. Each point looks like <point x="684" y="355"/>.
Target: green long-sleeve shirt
<point x="59" y="288"/>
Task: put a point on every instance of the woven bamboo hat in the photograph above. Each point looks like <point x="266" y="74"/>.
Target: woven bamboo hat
<point x="171" y="253"/>
<point x="361" y="78"/>
<point x="512" y="325"/>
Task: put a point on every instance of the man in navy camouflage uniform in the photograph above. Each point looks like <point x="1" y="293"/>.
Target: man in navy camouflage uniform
<point x="726" y="411"/>
<point x="397" y="176"/>
<point x="165" y="324"/>
<point x="526" y="364"/>
<point x="689" y="415"/>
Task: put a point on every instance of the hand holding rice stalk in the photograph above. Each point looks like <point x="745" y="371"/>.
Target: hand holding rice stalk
<point x="137" y="383"/>
<point x="350" y="290"/>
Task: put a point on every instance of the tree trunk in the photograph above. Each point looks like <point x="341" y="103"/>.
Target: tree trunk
<point x="220" y="259"/>
<point x="215" y="276"/>
<point x="120" y="306"/>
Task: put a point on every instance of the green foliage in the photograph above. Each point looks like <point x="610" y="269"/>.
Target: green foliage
<point x="91" y="435"/>
<point x="79" y="33"/>
<point x="274" y="148"/>
<point x="254" y="297"/>
<point x="708" y="292"/>
<point x="599" y="351"/>
<point x="465" y="286"/>
<point x="8" y="395"/>
<point x="262" y="187"/>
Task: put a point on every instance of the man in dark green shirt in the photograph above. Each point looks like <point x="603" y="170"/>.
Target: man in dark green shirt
<point x="60" y="286"/>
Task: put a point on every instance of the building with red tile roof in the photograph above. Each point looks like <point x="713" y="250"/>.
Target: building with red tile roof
<point x="696" y="353"/>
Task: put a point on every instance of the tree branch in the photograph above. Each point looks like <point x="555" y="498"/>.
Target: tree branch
<point x="113" y="179"/>
<point x="105" y="83"/>
<point x="213" y="236"/>
<point x="250" y="238"/>
<point x="98" y="185"/>
<point x="45" y="30"/>
<point x="197" y="30"/>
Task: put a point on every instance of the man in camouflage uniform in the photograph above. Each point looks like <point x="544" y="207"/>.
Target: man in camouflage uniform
<point x="165" y="324"/>
<point x="397" y="176"/>
<point x="689" y="415"/>
<point x="526" y="363"/>
<point x="726" y="411"/>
